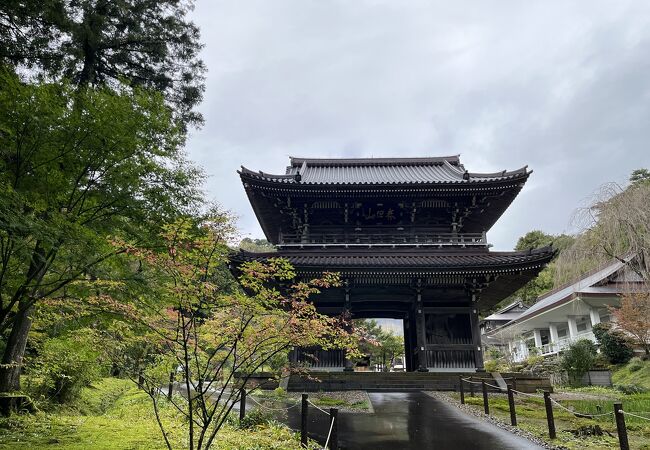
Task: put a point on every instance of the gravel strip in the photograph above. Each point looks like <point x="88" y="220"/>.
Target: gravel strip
<point x="442" y="396"/>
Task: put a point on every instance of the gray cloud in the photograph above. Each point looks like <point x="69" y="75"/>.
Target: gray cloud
<point x="561" y="86"/>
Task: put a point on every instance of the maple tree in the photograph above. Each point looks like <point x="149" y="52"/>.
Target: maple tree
<point x="214" y="340"/>
<point x="633" y="317"/>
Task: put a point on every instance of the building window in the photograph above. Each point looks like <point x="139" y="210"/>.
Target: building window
<point x="605" y="316"/>
<point x="581" y="325"/>
<point x="562" y="333"/>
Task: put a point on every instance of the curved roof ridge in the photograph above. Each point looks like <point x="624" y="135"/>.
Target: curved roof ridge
<point x="264" y="175"/>
<point x="445" y="170"/>
<point x="502" y="173"/>
<point x="452" y="159"/>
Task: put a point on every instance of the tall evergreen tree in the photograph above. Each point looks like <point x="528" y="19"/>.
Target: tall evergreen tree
<point x="144" y="43"/>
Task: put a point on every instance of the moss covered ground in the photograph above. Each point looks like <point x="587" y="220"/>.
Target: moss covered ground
<point x="634" y="373"/>
<point x="577" y="432"/>
<point x="114" y="414"/>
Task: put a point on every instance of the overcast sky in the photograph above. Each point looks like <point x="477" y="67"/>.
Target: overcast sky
<point x="560" y="86"/>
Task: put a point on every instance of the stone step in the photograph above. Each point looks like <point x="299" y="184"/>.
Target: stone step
<point x="382" y="382"/>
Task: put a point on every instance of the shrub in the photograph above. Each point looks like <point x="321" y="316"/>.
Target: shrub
<point x="534" y="359"/>
<point x="631" y="389"/>
<point x="579" y="358"/>
<point x="68" y="363"/>
<point x="491" y="365"/>
<point x="635" y="364"/>
<point x="255" y="418"/>
<point x="613" y="344"/>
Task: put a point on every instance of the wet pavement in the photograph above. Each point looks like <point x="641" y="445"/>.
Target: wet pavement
<point x="411" y="420"/>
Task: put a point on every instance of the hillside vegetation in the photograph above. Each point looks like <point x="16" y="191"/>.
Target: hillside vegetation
<point x="613" y="224"/>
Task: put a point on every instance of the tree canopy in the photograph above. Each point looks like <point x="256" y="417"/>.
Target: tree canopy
<point x="72" y="174"/>
<point x="139" y="43"/>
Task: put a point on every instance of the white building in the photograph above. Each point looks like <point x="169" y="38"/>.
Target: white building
<point x="563" y="315"/>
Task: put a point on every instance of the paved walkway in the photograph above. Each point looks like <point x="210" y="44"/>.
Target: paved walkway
<point x="413" y="421"/>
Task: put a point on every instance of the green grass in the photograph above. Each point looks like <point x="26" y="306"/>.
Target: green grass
<point x="626" y="375"/>
<point x="531" y="416"/>
<point x="113" y="414"/>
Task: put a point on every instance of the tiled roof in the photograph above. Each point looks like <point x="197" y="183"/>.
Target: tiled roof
<point x="564" y="293"/>
<point x="400" y="259"/>
<point x="433" y="170"/>
<point x="504" y="316"/>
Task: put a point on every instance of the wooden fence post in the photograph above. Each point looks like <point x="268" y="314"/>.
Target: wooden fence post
<point x="486" y="405"/>
<point x="620" y="426"/>
<point x="471" y="387"/>
<point x="549" y="414"/>
<point x="461" y="389"/>
<point x="511" y="405"/>
<point x="242" y="404"/>
<point x="170" y="387"/>
<point x="334" y="423"/>
<point x="303" y="421"/>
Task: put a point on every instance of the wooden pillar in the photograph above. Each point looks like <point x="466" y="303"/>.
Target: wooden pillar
<point x="347" y="363"/>
<point x="421" y="338"/>
<point x="476" y="335"/>
<point x="408" y="347"/>
<point x="293" y="356"/>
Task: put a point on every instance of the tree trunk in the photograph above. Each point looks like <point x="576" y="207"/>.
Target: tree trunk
<point x="12" y="360"/>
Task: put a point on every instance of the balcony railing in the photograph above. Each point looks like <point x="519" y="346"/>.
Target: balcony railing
<point x="357" y="239"/>
<point x="561" y="344"/>
<point x="553" y="348"/>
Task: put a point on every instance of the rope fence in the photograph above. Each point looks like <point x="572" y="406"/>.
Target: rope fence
<point x="618" y="412"/>
<point x="627" y="413"/>
<point x="579" y="414"/>
<point x="331" y="441"/>
<point x="526" y="394"/>
<point x="316" y="406"/>
<point x="329" y="433"/>
<point x="261" y="405"/>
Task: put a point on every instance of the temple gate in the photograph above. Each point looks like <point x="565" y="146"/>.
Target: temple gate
<point x="408" y="236"/>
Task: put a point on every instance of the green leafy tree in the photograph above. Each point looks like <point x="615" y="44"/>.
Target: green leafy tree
<point x="579" y="358"/>
<point x="380" y="346"/>
<point x="640" y="176"/>
<point x="545" y="280"/>
<point x="139" y="43"/>
<point x="67" y="363"/>
<point x="73" y="173"/>
<point x="537" y="238"/>
<point x="613" y="344"/>
<point x="256" y="245"/>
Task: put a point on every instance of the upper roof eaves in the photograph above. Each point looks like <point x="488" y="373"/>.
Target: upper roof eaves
<point x="381" y="171"/>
